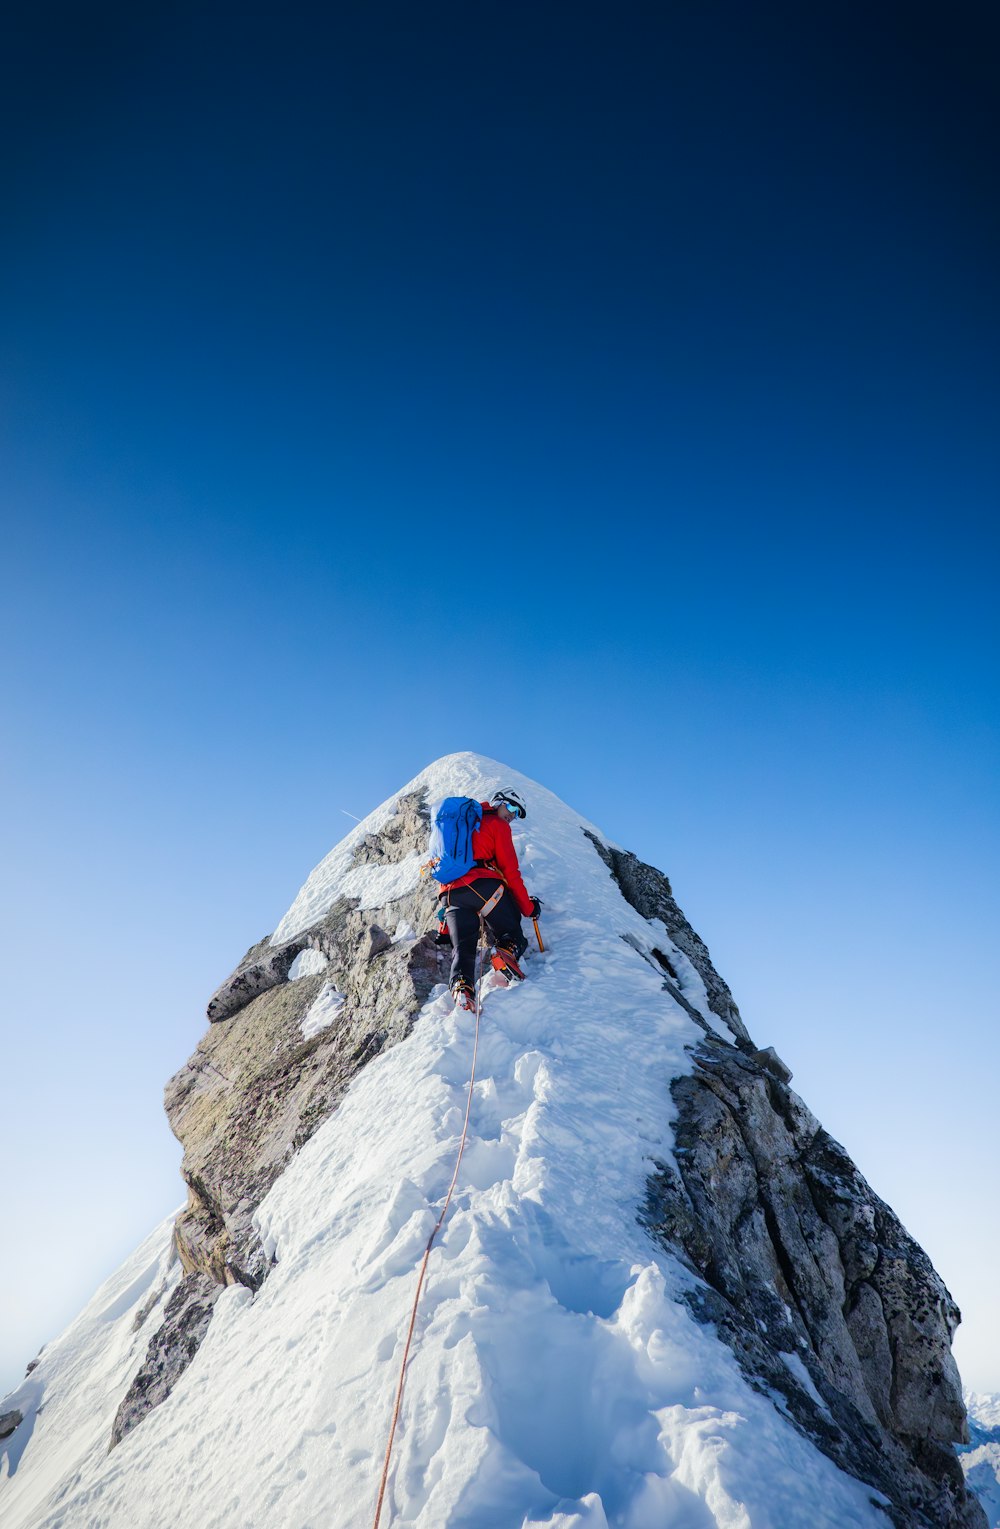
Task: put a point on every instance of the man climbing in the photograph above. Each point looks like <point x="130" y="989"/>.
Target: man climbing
<point x="493" y="884"/>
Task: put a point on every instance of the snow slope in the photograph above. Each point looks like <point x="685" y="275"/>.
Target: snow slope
<point x="556" y="1380"/>
<point x="69" y="1398"/>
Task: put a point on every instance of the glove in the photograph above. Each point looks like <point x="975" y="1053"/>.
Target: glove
<point x="536" y="908"/>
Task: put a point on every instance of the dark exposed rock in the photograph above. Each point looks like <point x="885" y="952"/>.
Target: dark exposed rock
<point x="9" y="1421"/>
<point x="812" y="1280"/>
<point x="404" y="834"/>
<point x="263" y="967"/>
<point x="650" y="894"/>
<point x="769" y="1059"/>
<point x="374" y="941"/>
<point x="671" y="982"/>
<point x="171" y="1350"/>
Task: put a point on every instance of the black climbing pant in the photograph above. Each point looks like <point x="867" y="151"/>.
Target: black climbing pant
<point x="503" y="924"/>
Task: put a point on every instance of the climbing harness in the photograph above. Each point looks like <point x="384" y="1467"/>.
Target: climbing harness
<point x="490" y="905"/>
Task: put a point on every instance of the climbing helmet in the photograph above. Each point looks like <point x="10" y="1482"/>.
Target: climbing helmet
<point x="511" y="800"/>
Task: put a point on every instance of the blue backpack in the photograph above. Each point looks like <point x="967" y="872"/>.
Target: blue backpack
<point x="455" y="821"/>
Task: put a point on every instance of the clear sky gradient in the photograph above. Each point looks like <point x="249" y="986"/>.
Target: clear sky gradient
<point x="611" y="390"/>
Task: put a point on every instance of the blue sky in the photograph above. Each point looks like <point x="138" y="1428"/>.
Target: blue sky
<point x="614" y="394"/>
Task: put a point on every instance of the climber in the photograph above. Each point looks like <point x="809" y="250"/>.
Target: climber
<point x="495" y="872"/>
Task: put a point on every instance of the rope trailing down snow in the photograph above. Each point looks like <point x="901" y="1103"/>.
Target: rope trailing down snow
<point x="436" y="1229"/>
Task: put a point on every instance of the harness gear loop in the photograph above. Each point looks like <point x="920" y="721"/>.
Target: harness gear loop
<point x="440" y="1220"/>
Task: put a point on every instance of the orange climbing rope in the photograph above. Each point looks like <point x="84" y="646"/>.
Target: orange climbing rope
<point x="430" y="1243"/>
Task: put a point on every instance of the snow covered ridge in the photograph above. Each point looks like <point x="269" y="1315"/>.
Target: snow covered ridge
<point x="663" y="1295"/>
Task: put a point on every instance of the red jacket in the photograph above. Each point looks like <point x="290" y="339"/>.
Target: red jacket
<point x="493" y="843"/>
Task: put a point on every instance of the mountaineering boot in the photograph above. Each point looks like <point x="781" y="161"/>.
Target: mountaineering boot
<point x="505" y="962"/>
<point x="464" y="996"/>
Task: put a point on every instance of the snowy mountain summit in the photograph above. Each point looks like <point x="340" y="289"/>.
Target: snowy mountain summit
<point x="663" y="1297"/>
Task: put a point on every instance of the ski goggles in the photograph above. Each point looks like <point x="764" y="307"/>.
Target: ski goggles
<point x="514" y="807"/>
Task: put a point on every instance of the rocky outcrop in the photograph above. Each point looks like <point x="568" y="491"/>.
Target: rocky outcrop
<point x="650" y="894"/>
<point x="263" y="967"/>
<point x="257" y="1087"/>
<point x="826" y="1300"/>
<point x="404" y="834"/>
<point x="185" y="1322"/>
<point x="9" y="1421"/>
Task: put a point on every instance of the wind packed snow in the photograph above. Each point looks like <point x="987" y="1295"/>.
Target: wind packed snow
<point x="556" y="1379"/>
<point x="309" y="963"/>
<point x="324" y="1009"/>
<point x="796" y="1368"/>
